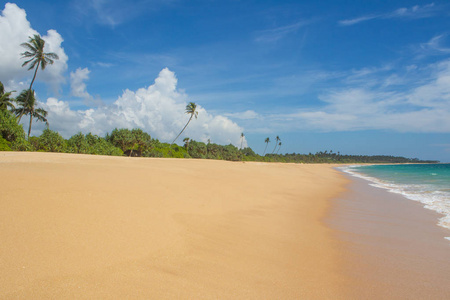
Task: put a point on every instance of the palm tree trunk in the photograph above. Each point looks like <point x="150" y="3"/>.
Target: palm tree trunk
<point x="28" y="95"/>
<point x="265" y="149"/>
<point x="274" y="148"/>
<point x="20" y="117"/>
<point x="31" y="121"/>
<point x="35" y="72"/>
<point x="181" y="131"/>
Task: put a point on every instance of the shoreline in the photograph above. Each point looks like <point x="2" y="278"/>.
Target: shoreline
<point x="392" y="246"/>
<point x="114" y="227"/>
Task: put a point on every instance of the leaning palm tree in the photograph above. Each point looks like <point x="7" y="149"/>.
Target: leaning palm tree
<point x="242" y="139"/>
<point x="36" y="55"/>
<point x="5" y="98"/>
<point x="27" y="106"/>
<point x="191" y="109"/>
<point x="276" y="143"/>
<point x="279" y="144"/>
<point x="267" y="141"/>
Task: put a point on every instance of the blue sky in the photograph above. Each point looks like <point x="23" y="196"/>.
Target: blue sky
<point x="359" y="77"/>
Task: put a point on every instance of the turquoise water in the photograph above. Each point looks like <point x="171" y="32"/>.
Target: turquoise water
<point x="426" y="183"/>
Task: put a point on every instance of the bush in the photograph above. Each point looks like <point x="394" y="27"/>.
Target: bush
<point x="91" y="144"/>
<point x="49" y="141"/>
<point x="4" y="145"/>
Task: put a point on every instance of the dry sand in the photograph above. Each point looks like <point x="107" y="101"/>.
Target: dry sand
<point x="78" y="226"/>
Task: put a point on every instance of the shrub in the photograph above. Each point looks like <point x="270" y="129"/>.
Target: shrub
<point x="50" y="141"/>
<point x="4" y="145"/>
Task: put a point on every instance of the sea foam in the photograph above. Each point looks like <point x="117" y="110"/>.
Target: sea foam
<point x="432" y="194"/>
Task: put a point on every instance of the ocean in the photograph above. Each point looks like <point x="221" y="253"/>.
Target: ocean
<point x="428" y="184"/>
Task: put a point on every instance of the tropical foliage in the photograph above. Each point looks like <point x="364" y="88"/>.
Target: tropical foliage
<point x="36" y="56"/>
<point x="191" y="109"/>
<point x="6" y="102"/>
<point x="26" y="102"/>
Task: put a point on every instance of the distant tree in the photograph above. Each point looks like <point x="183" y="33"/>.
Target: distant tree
<point x="50" y="141"/>
<point x="130" y="140"/>
<point x="242" y="139"/>
<point x="267" y="141"/>
<point x="277" y="139"/>
<point x="27" y="106"/>
<point x="5" y="100"/>
<point x="279" y="144"/>
<point x="186" y="142"/>
<point x="191" y="109"/>
<point x="122" y="138"/>
<point x="36" y="57"/>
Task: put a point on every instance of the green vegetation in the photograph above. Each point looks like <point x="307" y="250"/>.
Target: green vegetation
<point x="36" y="57"/>
<point x="134" y="142"/>
<point x="191" y="109"/>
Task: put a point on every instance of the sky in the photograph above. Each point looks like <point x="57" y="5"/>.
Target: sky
<point x="358" y="77"/>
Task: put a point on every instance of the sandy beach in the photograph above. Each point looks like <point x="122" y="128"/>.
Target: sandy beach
<point x="392" y="247"/>
<point x="79" y="226"/>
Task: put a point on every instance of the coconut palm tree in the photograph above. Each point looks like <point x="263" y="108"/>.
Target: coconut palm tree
<point x="267" y="141"/>
<point x="27" y="106"/>
<point x="279" y="144"/>
<point x="5" y="100"/>
<point x="36" y="55"/>
<point x="191" y="109"/>
<point x="186" y="142"/>
<point x="242" y="139"/>
<point x="276" y="143"/>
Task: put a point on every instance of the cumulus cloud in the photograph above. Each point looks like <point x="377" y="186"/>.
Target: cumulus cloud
<point x="15" y="29"/>
<point x="78" y="86"/>
<point x="158" y="109"/>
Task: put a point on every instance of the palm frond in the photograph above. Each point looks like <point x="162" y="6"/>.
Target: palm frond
<point x="28" y="54"/>
<point x="29" y="47"/>
<point x="25" y="63"/>
<point x="51" y="55"/>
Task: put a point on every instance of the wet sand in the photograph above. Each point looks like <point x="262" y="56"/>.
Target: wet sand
<point x="391" y="246"/>
<point x="80" y="226"/>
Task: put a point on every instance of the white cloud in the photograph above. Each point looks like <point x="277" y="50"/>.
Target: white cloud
<point x="78" y="86"/>
<point x="158" y="110"/>
<point x="246" y="115"/>
<point x="415" y="12"/>
<point x="420" y="106"/>
<point x="274" y="34"/>
<point x="15" y="30"/>
<point x="433" y="47"/>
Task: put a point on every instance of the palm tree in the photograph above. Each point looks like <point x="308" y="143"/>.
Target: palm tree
<point x="191" y="109"/>
<point x="276" y="143"/>
<point x="267" y="141"/>
<point x="186" y="142"/>
<point x="242" y="139"/>
<point x="36" y="56"/>
<point x="27" y="103"/>
<point x="5" y="100"/>
<point x="279" y="144"/>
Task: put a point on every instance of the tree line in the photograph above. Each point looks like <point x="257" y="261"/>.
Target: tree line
<point x="134" y="142"/>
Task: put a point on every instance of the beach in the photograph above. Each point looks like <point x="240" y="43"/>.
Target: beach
<point x="391" y="246"/>
<point x="80" y="226"/>
<point x="85" y="226"/>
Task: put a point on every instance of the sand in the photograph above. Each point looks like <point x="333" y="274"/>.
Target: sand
<point x="391" y="246"/>
<point x="80" y="226"/>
